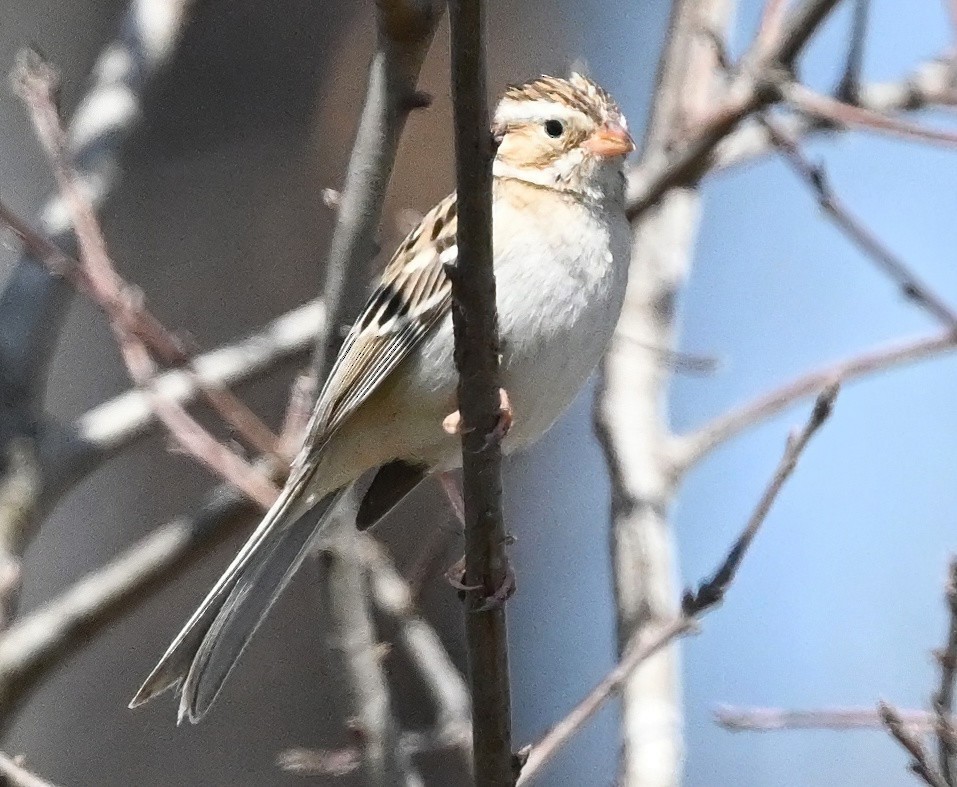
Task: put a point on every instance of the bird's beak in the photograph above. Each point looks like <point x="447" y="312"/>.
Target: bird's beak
<point x="610" y="140"/>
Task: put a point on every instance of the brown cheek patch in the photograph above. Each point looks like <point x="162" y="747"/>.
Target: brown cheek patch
<point x="523" y="147"/>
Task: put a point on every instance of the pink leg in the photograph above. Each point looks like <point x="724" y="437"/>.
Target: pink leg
<point x="452" y="423"/>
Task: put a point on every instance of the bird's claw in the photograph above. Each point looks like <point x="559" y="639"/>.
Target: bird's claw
<point x="452" y="423"/>
<point x="455" y="575"/>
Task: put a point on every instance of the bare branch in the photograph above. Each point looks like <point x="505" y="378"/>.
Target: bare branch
<point x="42" y="640"/>
<point x="770" y="25"/>
<point x="342" y="762"/>
<point x="816" y="179"/>
<point x="944" y="698"/>
<point x="687" y="450"/>
<point x="777" y="719"/>
<point x="931" y="84"/>
<point x="920" y="760"/>
<point x="695" y="604"/>
<point x="16" y="775"/>
<point x="37" y="85"/>
<point x="835" y="112"/>
<point x="96" y="276"/>
<point x="34" y="300"/>
<point x="19" y="491"/>
<point x="392" y="597"/>
<point x="475" y="323"/>
<point x="853" y="67"/>
<point x="754" y="88"/>
<point x="382" y="760"/>
<point x="405" y="32"/>
<point x="114" y="424"/>
<point x="452" y="729"/>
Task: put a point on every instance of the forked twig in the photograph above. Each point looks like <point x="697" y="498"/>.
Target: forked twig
<point x="816" y="178"/>
<point x="695" y="603"/>
<point x="36" y="83"/>
<point x="920" y="764"/>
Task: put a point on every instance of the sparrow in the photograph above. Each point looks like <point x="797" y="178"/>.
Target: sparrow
<point x="561" y="252"/>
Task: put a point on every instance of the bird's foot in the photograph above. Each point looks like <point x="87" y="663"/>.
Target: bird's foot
<point x="452" y="423"/>
<point x="455" y="575"/>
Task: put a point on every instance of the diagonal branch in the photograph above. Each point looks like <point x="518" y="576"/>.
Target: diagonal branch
<point x="37" y="85"/>
<point x="754" y="88"/>
<point x="930" y="84"/>
<point x="689" y="449"/>
<point x="777" y="719"/>
<point x="96" y="276"/>
<point x="920" y="764"/>
<point x="16" y="775"/>
<point x="695" y="603"/>
<point x="833" y="112"/>
<point x="42" y="640"/>
<point x="816" y="179"/>
<point x="33" y="300"/>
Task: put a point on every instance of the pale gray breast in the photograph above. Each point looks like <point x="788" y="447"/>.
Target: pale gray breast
<point x="559" y="300"/>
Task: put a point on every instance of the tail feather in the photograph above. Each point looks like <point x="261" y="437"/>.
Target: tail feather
<point x="254" y="591"/>
<point x="205" y="651"/>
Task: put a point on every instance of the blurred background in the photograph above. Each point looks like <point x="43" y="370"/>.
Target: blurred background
<point x="219" y="218"/>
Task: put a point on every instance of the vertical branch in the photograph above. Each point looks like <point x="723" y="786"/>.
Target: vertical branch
<point x="630" y="420"/>
<point x="944" y="698"/>
<point x="382" y="760"/>
<point x="405" y="31"/>
<point x="476" y="357"/>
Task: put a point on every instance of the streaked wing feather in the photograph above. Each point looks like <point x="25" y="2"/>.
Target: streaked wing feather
<point x="411" y="297"/>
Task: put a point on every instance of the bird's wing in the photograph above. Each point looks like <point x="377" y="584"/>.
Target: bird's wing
<point x="412" y="296"/>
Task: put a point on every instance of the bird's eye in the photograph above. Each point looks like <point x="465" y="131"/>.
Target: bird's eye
<point x="554" y="128"/>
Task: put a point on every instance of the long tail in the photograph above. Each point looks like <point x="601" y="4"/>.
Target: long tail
<point x="204" y="653"/>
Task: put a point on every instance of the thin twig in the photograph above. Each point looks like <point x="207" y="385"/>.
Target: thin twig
<point x="42" y="640"/>
<point x="33" y="301"/>
<point x="944" y="698"/>
<point x="930" y="84"/>
<point x="816" y="178"/>
<point x="837" y="112"/>
<point x="695" y="603"/>
<point x="753" y="89"/>
<point x="770" y="24"/>
<point x="854" y="64"/>
<point x="475" y="324"/>
<point x="37" y="85"/>
<point x="778" y="719"/>
<point x="341" y="762"/>
<point x="19" y="492"/>
<point x="17" y="776"/>
<point x="920" y="764"/>
<point x="382" y="760"/>
<point x="689" y="449"/>
<point x="113" y="425"/>
<point x="392" y="596"/>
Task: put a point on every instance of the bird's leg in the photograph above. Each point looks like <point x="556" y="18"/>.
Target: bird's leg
<point x="454" y="494"/>
<point x="455" y="574"/>
<point x="452" y="423"/>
